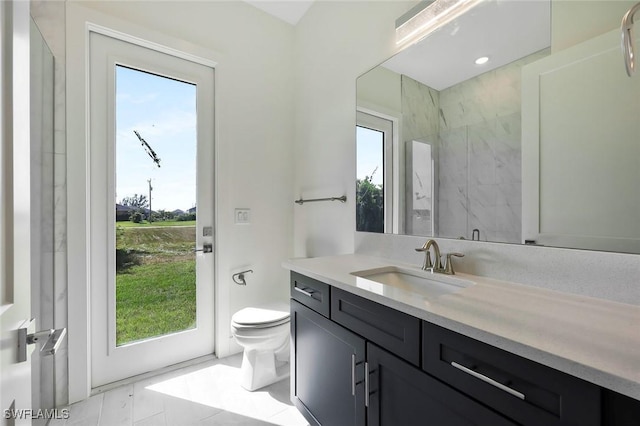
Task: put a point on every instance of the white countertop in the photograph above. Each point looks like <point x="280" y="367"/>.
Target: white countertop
<point x="594" y="339"/>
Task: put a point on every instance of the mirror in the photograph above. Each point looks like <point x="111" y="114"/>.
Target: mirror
<point x="514" y="148"/>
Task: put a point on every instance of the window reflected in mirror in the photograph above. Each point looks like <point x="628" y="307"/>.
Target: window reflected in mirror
<point x="374" y="183"/>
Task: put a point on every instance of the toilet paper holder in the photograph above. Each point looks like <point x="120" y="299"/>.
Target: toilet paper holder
<point x="239" y="277"/>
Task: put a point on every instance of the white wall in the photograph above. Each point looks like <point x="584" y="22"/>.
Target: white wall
<point x="335" y="42"/>
<point x="573" y="21"/>
<point x="380" y="89"/>
<point x="254" y="132"/>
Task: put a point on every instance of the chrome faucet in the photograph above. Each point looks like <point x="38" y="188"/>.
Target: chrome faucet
<point x="428" y="265"/>
<point x="436" y="265"/>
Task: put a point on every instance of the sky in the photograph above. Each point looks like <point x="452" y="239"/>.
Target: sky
<point x="163" y="111"/>
<point x="370" y="154"/>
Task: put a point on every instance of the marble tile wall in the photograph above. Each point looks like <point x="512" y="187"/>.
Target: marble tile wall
<point x="480" y="156"/>
<point x="420" y="109"/>
<point x="480" y="180"/>
<point x="49" y="17"/>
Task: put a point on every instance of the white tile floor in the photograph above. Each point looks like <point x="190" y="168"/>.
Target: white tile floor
<point x="204" y="394"/>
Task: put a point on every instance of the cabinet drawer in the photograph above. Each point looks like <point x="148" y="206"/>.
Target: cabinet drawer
<point x="388" y="328"/>
<point x="311" y="293"/>
<point x="523" y="390"/>
<point x="401" y="394"/>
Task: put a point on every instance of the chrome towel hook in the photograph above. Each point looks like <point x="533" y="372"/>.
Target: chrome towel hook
<point x="628" y="49"/>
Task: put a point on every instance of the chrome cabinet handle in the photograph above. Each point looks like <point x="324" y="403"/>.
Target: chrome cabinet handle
<point x="366" y="384"/>
<point x="306" y="293"/>
<point x="353" y="374"/>
<point x="488" y="380"/>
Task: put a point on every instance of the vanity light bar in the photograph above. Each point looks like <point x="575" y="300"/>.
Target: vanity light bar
<point x="428" y="16"/>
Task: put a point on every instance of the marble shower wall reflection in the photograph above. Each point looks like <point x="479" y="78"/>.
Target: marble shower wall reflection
<point x="477" y="127"/>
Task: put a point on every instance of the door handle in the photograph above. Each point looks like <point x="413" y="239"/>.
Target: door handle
<point x="206" y="248"/>
<point x="52" y="339"/>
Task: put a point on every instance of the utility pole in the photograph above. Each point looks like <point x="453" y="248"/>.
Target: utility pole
<point x="150" y="189"/>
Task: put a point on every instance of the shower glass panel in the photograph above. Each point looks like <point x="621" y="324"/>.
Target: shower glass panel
<point x="155" y="206"/>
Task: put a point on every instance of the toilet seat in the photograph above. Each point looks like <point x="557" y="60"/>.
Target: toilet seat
<point x="261" y="317"/>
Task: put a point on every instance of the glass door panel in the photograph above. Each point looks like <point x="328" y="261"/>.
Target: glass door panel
<point x="156" y="146"/>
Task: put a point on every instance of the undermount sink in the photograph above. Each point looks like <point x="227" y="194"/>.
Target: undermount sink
<point x="415" y="280"/>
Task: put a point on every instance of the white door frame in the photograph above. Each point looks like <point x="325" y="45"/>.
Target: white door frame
<point x="80" y="23"/>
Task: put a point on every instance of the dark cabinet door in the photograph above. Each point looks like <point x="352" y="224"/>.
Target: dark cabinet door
<point x="327" y="370"/>
<point x="400" y="394"/>
<point x="619" y="410"/>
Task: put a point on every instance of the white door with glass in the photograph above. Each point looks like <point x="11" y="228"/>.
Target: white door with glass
<point x="152" y="193"/>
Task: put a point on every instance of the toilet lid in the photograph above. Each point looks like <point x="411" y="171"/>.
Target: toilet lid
<point x="261" y="315"/>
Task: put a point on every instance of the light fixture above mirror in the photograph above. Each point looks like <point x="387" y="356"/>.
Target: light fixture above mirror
<point x="428" y="16"/>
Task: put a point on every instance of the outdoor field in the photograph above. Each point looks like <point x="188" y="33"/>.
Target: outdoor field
<point x="155" y="279"/>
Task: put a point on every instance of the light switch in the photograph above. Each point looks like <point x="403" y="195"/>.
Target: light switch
<point x="242" y="216"/>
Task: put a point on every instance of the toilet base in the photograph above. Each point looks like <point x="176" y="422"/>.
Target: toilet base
<point x="262" y="368"/>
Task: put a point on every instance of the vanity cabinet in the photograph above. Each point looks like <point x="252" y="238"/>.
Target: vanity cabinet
<point x="357" y="362"/>
<point x="340" y="377"/>
<point x="325" y="361"/>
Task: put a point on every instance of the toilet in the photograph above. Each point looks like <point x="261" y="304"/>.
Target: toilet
<point x="263" y="332"/>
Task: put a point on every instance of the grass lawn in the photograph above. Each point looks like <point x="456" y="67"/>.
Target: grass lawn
<point x="155" y="299"/>
<point x="155" y="281"/>
<point x="145" y="224"/>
